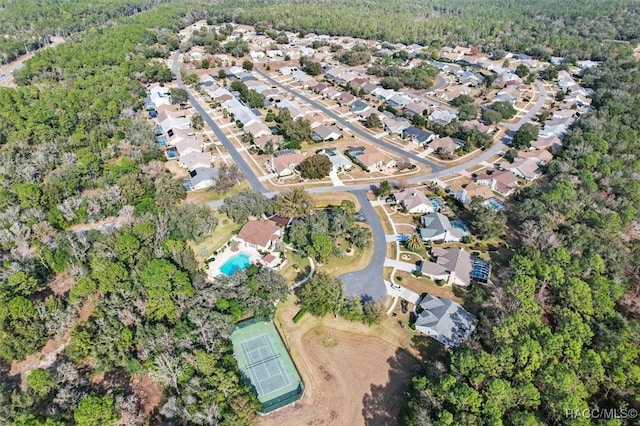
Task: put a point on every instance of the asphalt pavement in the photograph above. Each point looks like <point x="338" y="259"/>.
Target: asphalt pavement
<point x="231" y="149"/>
<point x="389" y="146"/>
<point x="368" y="282"/>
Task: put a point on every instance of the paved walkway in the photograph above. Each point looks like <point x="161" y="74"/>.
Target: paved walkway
<point x="335" y="180"/>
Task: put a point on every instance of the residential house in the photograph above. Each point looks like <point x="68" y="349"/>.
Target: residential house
<point x="330" y="93"/>
<point x="368" y="87"/>
<point x="395" y="126"/>
<point x="203" y="177"/>
<point x="444" y="320"/>
<point x="503" y="182"/>
<point x="504" y="97"/>
<point x="358" y="82"/>
<point x="160" y="95"/>
<point x="358" y="106"/>
<point x="318" y="88"/>
<point x="257" y="129"/>
<point x="399" y="101"/>
<point x="260" y="234"/>
<point x="454" y="264"/>
<point x="450" y="93"/>
<point x="262" y="141"/>
<point x="382" y="93"/>
<point x="326" y="133"/>
<point x="419" y="136"/>
<point x="557" y="126"/>
<point x="472" y="190"/>
<point x="437" y="227"/>
<point x="270" y="261"/>
<point x="187" y="145"/>
<point x="551" y="142"/>
<point x="195" y="160"/>
<point x="284" y="163"/>
<point x="373" y="159"/>
<point x="477" y="125"/>
<point x="256" y="54"/>
<point x="525" y="168"/>
<point x="414" y="201"/>
<point x="540" y="156"/>
<point x="346" y="98"/>
<point x="338" y="160"/>
<point x="413" y="108"/>
<point x="468" y="78"/>
<point x="442" y="117"/>
<point x="444" y="145"/>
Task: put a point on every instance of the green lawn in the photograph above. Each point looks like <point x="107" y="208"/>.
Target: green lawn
<point x="224" y="230"/>
<point x="296" y="266"/>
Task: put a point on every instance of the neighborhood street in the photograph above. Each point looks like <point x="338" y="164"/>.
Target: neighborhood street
<point x="391" y="147"/>
<point x="368" y="282"/>
<point x="233" y="152"/>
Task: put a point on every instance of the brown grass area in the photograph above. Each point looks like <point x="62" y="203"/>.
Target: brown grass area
<point x="175" y="169"/>
<point x="47" y="355"/>
<point x="383" y="218"/>
<point x="353" y="374"/>
<point x="326" y="199"/>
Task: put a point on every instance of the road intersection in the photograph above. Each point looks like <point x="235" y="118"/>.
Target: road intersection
<point x="368" y="282"/>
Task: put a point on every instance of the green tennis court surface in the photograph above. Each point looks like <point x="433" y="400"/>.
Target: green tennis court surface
<point x="265" y="364"/>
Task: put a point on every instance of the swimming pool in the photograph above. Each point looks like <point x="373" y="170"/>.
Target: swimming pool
<point x="495" y="204"/>
<point x="460" y="225"/>
<point x="235" y="263"/>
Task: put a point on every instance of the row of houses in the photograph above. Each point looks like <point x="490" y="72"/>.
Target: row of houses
<point x="180" y="141"/>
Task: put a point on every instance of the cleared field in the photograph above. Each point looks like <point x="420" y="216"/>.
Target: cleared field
<point x="327" y="199"/>
<point x="353" y="374"/>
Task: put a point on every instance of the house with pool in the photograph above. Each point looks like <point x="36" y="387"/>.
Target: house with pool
<point x="254" y="245"/>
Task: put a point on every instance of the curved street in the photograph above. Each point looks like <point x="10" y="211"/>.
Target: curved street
<point x="368" y="282"/>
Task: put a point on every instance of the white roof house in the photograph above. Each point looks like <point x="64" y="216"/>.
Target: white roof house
<point x="444" y="320"/>
<point x="414" y="200"/>
<point x="437" y="227"/>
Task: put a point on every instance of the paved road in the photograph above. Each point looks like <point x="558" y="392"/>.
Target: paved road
<point x="231" y="149"/>
<point x="439" y="84"/>
<point x="369" y="282"/>
<point x="354" y="129"/>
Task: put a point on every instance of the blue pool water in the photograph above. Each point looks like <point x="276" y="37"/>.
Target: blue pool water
<point x="235" y="263"/>
<point x="460" y="225"/>
<point x="495" y="204"/>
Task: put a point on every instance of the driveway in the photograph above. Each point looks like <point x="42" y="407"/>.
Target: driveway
<point x="368" y="282"/>
<point x="231" y="149"/>
<point x="354" y="129"/>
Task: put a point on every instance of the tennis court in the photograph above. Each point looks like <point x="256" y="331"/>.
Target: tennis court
<point x="265" y="364"/>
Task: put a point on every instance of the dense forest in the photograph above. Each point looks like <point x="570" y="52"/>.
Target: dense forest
<point x="29" y="25"/>
<point x="123" y="300"/>
<point x="583" y="29"/>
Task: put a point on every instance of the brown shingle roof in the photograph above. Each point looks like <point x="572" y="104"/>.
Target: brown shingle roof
<point x="259" y="232"/>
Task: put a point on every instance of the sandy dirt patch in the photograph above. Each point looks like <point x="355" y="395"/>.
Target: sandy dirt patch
<point x="353" y="374"/>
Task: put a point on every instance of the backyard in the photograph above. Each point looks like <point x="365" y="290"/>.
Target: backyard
<point x="225" y="229"/>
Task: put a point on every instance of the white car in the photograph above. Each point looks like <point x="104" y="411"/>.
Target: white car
<point x="395" y="286"/>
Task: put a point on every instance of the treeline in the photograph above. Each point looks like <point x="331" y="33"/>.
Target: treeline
<point x="93" y="243"/>
<point x="562" y="335"/>
<point x="582" y="28"/>
<point x="28" y="25"/>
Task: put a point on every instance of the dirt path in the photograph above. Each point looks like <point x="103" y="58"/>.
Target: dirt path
<point x="112" y="222"/>
<point x="6" y="70"/>
<point x="47" y="355"/>
<point x="636" y="52"/>
<point x="353" y="374"/>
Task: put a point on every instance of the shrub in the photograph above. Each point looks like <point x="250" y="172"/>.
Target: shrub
<point x="399" y="279"/>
